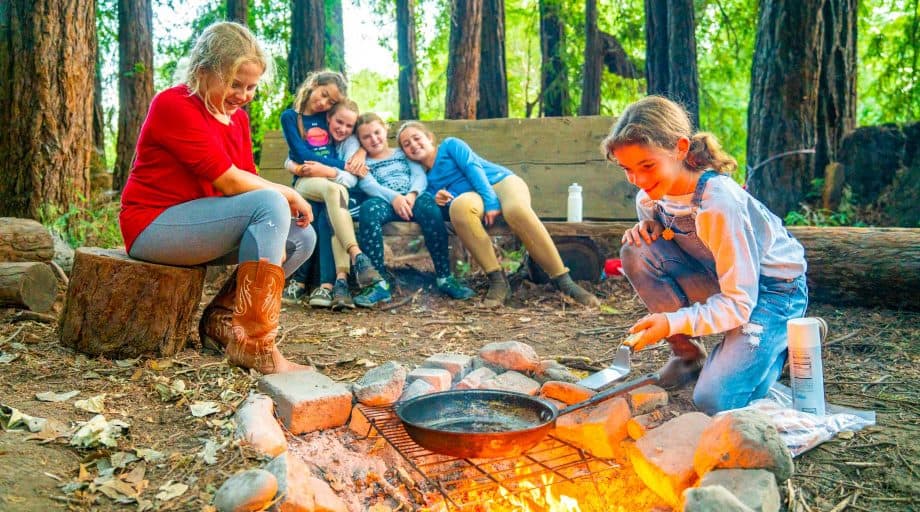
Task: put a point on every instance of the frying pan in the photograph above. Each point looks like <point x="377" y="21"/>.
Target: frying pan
<point x="487" y="423"/>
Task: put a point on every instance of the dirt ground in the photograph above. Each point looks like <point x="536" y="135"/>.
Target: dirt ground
<point x="870" y="360"/>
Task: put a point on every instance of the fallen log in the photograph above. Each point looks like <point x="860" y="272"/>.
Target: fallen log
<point x="862" y="266"/>
<point x="30" y="285"/>
<point x="25" y="240"/>
<point x="120" y="307"/>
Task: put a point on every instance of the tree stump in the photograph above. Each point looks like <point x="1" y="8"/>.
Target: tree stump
<point x="120" y="307"/>
<point x="25" y="240"/>
<point x="31" y="285"/>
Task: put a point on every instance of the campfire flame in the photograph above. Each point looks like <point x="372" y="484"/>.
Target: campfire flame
<point x="539" y="498"/>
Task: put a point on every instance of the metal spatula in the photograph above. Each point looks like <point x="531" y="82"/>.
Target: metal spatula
<point x="617" y="370"/>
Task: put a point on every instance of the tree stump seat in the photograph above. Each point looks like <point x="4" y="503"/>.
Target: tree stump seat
<point x="122" y="308"/>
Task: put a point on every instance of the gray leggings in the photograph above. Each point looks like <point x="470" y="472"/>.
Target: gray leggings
<point x="225" y="231"/>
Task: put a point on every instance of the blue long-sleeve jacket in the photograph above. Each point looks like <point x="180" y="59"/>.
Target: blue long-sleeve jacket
<point x="318" y="146"/>
<point x="458" y="169"/>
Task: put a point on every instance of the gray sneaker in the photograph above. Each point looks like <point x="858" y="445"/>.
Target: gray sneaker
<point x="293" y="293"/>
<point x="365" y="273"/>
<point x="320" y="298"/>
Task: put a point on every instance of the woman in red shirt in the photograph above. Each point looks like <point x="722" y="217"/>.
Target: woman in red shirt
<point x="194" y="197"/>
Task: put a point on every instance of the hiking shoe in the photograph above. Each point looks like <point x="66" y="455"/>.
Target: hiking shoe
<point x="499" y="290"/>
<point x="320" y="298"/>
<point x="294" y="292"/>
<point x="365" y="273"/>
<point x="341" y="296"/>
<point x="565" y="284"/>
<point x="372" y="295"/>
<point x="454" y="289"/>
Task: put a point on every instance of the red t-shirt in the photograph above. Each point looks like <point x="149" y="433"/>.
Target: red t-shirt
<point x="181" y="150"/>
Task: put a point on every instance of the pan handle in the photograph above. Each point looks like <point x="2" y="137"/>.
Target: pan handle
<point x="648" y="378"/>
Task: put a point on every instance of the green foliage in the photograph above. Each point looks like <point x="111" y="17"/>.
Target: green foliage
<point x="845" y="215"/>
<point x="888" y="88"/>
<point x="86" y="224"/>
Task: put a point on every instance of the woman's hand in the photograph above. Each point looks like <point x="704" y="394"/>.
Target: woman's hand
<point x="402" y="208"/>
<point x="300" y="208"/>
<point x="652" y="327"/>
<point x="648" y="230"/>
<point x="443" y="197"/>
<point x="489" y="217"/>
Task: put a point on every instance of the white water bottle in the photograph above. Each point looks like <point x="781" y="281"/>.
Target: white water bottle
<point x="574" y="206"/>
<point x="806" y="371"/>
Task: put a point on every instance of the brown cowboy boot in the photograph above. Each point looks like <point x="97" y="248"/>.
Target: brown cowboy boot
<point x="685" y="363"/>
<point x="255" y="319"/>
<point x="216" y="325"/>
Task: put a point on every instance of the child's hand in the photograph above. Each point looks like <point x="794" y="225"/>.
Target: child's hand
<point x="359" y="170"/>
<point x="443" y="197"/>
<point x="649" y="329"/>
<point x="489" y="217"/>
<point x="410" y="198"/>
<point x="648" y="230"/>
<point x="402" y="208"/>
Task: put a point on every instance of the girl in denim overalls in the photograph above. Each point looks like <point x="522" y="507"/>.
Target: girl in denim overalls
<point x="705" y="258"/>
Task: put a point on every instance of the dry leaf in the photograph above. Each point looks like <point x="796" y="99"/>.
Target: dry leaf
<point x="51" y="396"/>
<point x="94" y="404"/>
<point x="150" y="455"/>
<point x="201" y="409"/>
<point x="171" y="490"/>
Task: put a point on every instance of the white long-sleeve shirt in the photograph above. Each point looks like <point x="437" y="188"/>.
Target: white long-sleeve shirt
<point x="746" y="241"/>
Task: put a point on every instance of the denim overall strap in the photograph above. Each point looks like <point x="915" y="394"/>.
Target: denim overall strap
<point x="701" y="187"/>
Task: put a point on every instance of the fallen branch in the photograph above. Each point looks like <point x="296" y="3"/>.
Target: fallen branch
<point x="401" y="302"/>
<point x="24" y="315"/>
<point x="60" y="272"/>
<point x="391" y="490"/>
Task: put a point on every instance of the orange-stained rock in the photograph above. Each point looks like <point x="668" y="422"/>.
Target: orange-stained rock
<point x="324" y="498"/>
<point x="647" y="399"/>
<point x="566" y="392"/>
<point x="663" y="458"/>
<point x="637" y="426"/>
<point x="597" y="429"/>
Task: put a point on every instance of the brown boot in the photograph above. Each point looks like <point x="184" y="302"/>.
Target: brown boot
<point x="566" y="285"/>
<point x="499" y="290"/>
<point x="255" y="319"/>
<point x="216" y="325"/>
<point x="685" y="363"/>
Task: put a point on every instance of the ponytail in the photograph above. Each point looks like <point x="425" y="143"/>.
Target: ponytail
<point x="706" y="153"/>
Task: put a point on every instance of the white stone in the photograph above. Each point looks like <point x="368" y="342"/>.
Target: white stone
<point x="307" y="401"/>
<point x="257" y="427"/>
<point x="246" y="491"/>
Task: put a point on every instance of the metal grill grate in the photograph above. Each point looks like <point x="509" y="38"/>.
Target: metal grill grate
<point x="467" y="483"/>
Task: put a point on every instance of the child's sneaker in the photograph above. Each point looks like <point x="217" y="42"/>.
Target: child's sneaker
<point x="454" y="289"/>
<point x="320" y="298"/>
<point x="293" y="292"/>
<point x="372" y="295"/>
<point x="341" y="297"/>
<point x="365" y="273"/>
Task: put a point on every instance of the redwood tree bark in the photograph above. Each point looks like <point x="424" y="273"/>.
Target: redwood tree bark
<point x="552" y="48"/>
<point x="308" y="26"/>
<point x="463" y="59"/>
<point x="782" y="110"/>
<point x="47" y="58"/>
<point x="135" y="80"/>
<point x="405" y="50"/>
<point x="334" y="36"/>
<point x="238" y="11"/>
<point x="656" y="46"/>
<point x="493" y="78"/>
<point x="836" y="114"/>
<point x="683" y="81"/>
<point x="594" y="60"/>
<point x="98" y="162"/>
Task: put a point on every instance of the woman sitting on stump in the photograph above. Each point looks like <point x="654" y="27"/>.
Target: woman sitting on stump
<point x="472" y="191"/>
<point x="193" y="197"/>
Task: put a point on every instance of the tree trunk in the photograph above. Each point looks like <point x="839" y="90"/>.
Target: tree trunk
<point x="782" y="110"/>
<point x="25" y="240"/>
<point x="238" y="11"/>
<point x="334" y="36"/>
<point x="308" y="24"/>
<point x="121" y="307"/>
<point x="408" y="74"/>
<point x="555" y="81"/>
<point x="47" y="57"/>
<point x="594" y="59"/>
<point x="837" y="82"/>
<point x="656" y="46"/>
<point x="683" y="78"/>
<point x="30" y="285"/>
<point x="493" y="78"/>
<point x="135" y="80"/>
<point x="463" y="59"/>
<point x="863" y="266"/>
<point x="98" y="165"/>
<point x="615" y="57"/>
